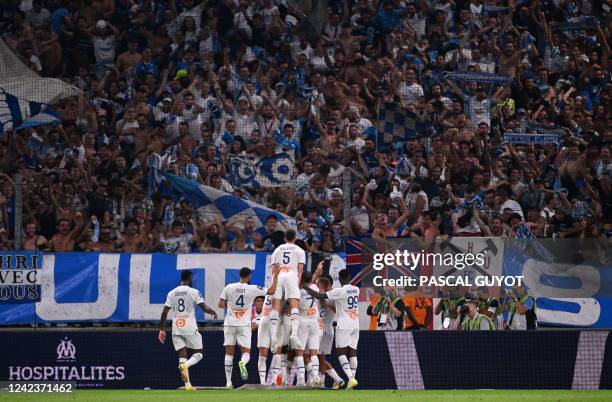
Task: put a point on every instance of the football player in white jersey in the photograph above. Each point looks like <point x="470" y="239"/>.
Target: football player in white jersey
<point x="346" y="299"/>
<point x="327" y="316"/>
<point x="182" y="301"/>
<point x="280" y="362"/>
<point x="238" y="299"/>
<point x="290" y="258"/>
<point x="308" y="334"/>
<point x="263" y="343"/>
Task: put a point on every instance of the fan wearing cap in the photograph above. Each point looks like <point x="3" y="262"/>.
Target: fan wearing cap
<point x="244" y="116"/>
<point x="104" y="38"/>
<point x="163" y="111"/>
<point x="475" y="321"/>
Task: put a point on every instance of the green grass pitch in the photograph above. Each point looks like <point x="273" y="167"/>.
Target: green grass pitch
<point x="314" y="395"/>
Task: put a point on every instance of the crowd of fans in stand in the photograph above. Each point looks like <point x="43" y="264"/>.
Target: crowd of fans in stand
<point x="200" y="81"/>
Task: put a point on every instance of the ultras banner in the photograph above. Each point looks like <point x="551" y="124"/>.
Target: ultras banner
<point x="122" y="287"/>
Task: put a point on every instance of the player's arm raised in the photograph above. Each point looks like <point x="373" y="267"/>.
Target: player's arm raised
<point x="315" y="294"/>
<point x="275" y="272"/>
<point x="162" y="324"/>
<point x="317" y="273"/>
<point x="300" y="266"/>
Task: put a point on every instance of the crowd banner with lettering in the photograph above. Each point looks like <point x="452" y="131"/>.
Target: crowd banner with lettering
<point x="481" y="78"/>
<point x="526" y="138"/>
<point x="546" y="129"/>
<point x="121" y="287"/>
<point x="572" y="280"/>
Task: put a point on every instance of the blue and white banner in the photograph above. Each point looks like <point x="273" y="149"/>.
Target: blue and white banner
<point x="16" y="113"/>
<point x="525" y="138"/>
<point x="273" y="171"/>
<point x="577" y="24"/>
<point x="568" y="294"/>
<point x="481" y="78"/>
<point x="124" y="287"/>
<point x="210" y="200"/>
<point x="396" y="124"/>
<point x="44" y="118"/>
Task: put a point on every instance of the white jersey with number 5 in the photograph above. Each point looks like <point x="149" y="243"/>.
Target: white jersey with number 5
<point x="239" y="299"/>
<point x="182" y="300"/>
<point x="347" y="306"/>
<point x="288" y="256"/>
<point x="264" y="317"/>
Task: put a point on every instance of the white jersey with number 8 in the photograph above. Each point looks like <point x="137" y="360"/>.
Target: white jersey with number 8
<point x="347" y="306"/>
<point x="182" y="300"/>
<point x="239" y="298"/>
<point x="288" y="257"/>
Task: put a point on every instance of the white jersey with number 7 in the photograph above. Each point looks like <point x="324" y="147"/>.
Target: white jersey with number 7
<point x="288" y="256"/>
<point x="347" y="306"/>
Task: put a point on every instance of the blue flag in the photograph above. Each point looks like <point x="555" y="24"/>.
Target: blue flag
<point x="16" y="113"/>
<point x="210" y="200"/>
<point x="396" y="124"/>
<point x="273" y="171"/>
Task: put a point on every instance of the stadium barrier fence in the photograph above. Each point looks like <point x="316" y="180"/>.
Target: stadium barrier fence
<point x="387" y="360"/>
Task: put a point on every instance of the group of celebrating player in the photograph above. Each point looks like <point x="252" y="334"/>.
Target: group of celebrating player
<point x="295" y="323"/>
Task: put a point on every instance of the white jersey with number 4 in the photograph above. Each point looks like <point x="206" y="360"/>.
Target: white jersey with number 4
<point x="347" y="306"/>
<point x="288" y="256"/>
<point x="239" y="299"/>
<point x="182" y="300"/>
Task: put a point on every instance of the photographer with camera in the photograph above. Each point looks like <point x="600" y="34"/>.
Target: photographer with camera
<point x="386" y="310"/>
<point x="489" y="306"/>
<point x="474" y="320"/>
<point x="522" y="309"/>
<point x="449" y="306"/>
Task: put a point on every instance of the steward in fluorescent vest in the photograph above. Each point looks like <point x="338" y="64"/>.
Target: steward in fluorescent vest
<point x="490" y="306"/>
<point x="475" y="321"/>
<point x="521" y="308"/>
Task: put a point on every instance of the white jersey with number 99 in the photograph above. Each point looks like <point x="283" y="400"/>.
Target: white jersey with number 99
<point x="347" y="306"/>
